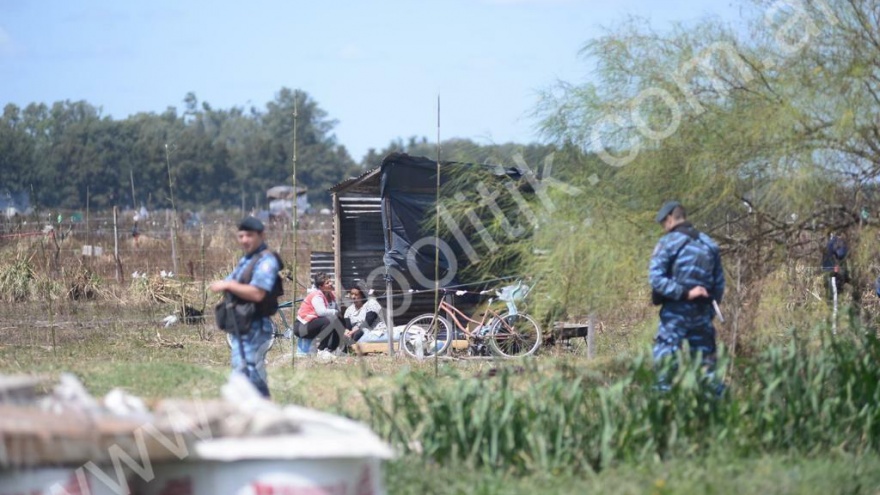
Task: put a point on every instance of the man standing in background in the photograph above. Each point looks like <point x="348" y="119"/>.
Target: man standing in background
<point x="687" y="280"/>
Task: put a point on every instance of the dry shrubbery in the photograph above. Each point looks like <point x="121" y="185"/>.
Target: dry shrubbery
<point x="17" y="280"/>
<point x="82" y="284"/>
<point x="20" y="281"/>
<point x="158" y="289"/>
<point x="54" y="268"/>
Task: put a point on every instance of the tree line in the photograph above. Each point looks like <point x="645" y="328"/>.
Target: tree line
<point x="68" y="155"/>
<point x="767" y="132"/>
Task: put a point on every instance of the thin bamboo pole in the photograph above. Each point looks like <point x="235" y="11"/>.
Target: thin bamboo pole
<point x="173" y="212"/>
<point x="389" y="302"/>
<point x="294" y="222"/>
<point x="437" y="252"/>
<point x="203" y="334"/>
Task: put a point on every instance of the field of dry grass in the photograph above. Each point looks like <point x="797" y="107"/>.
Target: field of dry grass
<point x="110" y="344"/>
<point x="115" y="345"/>
<point x="67" y="312"/>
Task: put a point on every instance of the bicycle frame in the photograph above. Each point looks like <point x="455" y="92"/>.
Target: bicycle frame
<point x="508" y="333"/>
<point x="286" y="324"/>
<point x="280" y="330"/>
<point x="453" y="313"/>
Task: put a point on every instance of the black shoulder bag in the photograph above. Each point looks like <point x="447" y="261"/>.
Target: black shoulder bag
<point x="233" y="314"/>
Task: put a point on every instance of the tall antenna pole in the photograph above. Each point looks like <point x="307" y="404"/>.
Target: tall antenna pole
<point x="437" y="249"/>
<point x="173" y="211"/>
<point x="131" y="179"/>
<point x="294" y="221"/>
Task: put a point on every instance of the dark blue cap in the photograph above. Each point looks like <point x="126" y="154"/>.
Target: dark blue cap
<point x="251" y="224"/>
<point x="665" y="210"/>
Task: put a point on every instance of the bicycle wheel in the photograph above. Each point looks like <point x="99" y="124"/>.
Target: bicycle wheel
<point x="514" y="335"/>
<point x="433" y="335"/>
<point x="275" y="335"/>
<point x="275" y="331"/>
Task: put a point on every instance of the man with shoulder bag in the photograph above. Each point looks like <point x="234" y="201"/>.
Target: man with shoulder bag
<point x="250" y="299"/>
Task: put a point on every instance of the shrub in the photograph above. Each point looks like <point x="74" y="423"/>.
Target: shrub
<point x="790" y="399"/>
<point x="17" y="280"/>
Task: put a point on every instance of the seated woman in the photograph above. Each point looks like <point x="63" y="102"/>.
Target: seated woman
<point x="318" y="316"/>
<point x="364" y="315"/>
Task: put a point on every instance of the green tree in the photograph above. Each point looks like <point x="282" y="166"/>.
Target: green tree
<point x="16" y="152"/>
<point x="769" y="137"/>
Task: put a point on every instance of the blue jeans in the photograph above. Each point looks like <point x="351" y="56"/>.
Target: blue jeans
<point x="255" y="344"/>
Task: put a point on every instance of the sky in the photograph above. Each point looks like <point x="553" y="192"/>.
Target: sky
<point x="377" y="68"/>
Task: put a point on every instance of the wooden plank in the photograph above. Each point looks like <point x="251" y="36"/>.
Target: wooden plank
<point x="350" y="253"/>
<point x="321" y="261"/>
<point x="566" y="331"/>
<point x="360" y="206"/>
<point x="382" y="347"/>
<point x="360" y="199"/>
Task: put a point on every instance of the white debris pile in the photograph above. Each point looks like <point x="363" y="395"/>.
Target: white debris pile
<point x="68" y="426"/>
<point x="82" y="426"/>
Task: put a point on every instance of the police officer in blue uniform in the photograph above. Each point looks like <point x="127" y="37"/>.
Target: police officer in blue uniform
<point x="686" y="277"/>
<point x="254" y="343"/>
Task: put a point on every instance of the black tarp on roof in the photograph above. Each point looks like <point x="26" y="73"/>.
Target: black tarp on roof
<point x="382" y="214"/>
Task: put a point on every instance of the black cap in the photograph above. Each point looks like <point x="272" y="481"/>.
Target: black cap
<point x="665" y="210"/>
<point x="251" y="224"/>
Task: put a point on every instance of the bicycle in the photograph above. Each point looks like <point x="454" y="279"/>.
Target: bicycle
<point x="509" y="333"/>
<point x="281" y="327"/>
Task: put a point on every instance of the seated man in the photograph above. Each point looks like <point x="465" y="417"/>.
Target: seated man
<point x="364" y="315"/>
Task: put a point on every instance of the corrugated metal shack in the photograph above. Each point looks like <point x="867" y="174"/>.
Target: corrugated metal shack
<point x="358" y="235"/>
<point x="380" y="233"/>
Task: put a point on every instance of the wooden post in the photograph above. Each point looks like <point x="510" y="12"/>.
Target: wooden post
<point x="116" y="245"/>
<point x="337" y="244"/>
<point x="389" y="314"/>
<point x="591" y="336"/>
<point x="131" y="178"/>
<point x="834" y="309"/>
<point x="389" y="311"/>
<point x="737" y="306"/>
<point x="173" y="240"/>
<point x="88" y="232"/>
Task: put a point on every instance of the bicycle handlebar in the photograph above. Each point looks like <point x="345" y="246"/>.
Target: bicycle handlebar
<point x="289" y="304"/>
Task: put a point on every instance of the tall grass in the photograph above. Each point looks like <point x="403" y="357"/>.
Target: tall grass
<point x="21" y="281"/>
<point x="717" y="474"/>
<point x="789" y="400"/>
<point x="17" y="280"/>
